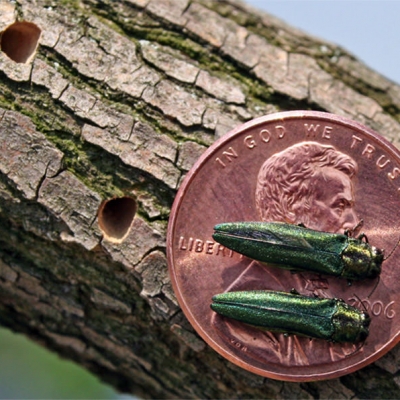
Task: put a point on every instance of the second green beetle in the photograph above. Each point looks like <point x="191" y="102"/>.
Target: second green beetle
<point x="292" y="313"/>
<point x="298" y="248"/>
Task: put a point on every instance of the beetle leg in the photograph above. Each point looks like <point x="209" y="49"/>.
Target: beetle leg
<point x="362" y="236"/>
<point x="350" y="232"/>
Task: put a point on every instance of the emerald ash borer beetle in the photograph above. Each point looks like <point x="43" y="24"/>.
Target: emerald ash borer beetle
<point x="292" y="313"/>
<point x="297" y="248"/>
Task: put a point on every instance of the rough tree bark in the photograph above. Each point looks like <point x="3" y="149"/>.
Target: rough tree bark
<point x="120" y="98"/>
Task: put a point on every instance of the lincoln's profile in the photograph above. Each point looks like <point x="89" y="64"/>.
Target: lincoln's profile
<point x="307" y="183"/>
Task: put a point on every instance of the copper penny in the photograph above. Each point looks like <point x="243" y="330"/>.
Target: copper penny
<point x="319" y="169"/>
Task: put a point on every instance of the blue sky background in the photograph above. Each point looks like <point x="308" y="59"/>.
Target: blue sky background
<point x="370" y="30"/>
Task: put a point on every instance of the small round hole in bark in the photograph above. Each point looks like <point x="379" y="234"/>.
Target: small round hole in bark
<point x="115" y="217"/>
<point x="20" y="40"/>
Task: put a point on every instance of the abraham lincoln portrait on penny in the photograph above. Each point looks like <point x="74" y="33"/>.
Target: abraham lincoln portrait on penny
<point x="308" y="183"/>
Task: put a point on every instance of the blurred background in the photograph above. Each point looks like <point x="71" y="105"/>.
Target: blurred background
<point x="29" y="371"/>
<point x="368" y="29"/>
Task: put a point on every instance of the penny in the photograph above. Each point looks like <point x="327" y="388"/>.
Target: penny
<point x="322" y="170"/>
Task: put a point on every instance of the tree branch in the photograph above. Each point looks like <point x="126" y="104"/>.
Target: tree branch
<point x="119" y="100"/>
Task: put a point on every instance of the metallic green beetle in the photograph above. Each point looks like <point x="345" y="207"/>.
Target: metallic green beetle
<point x="292" y="313"/>
<point x="298" y="248"/>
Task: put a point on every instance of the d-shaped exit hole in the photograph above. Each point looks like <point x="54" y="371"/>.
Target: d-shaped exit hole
<point x="115" y="218"/>
<point x="20" y="40"/>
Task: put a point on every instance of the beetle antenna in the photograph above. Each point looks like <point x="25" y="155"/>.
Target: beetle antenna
<point x="376" y="285"/>
<point x="393" y="250"/>
<point x="356" y="349"/>
<point x="361" y="303"/>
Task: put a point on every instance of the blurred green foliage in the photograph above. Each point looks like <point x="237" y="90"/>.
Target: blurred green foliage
<point x="29" y="371"/>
